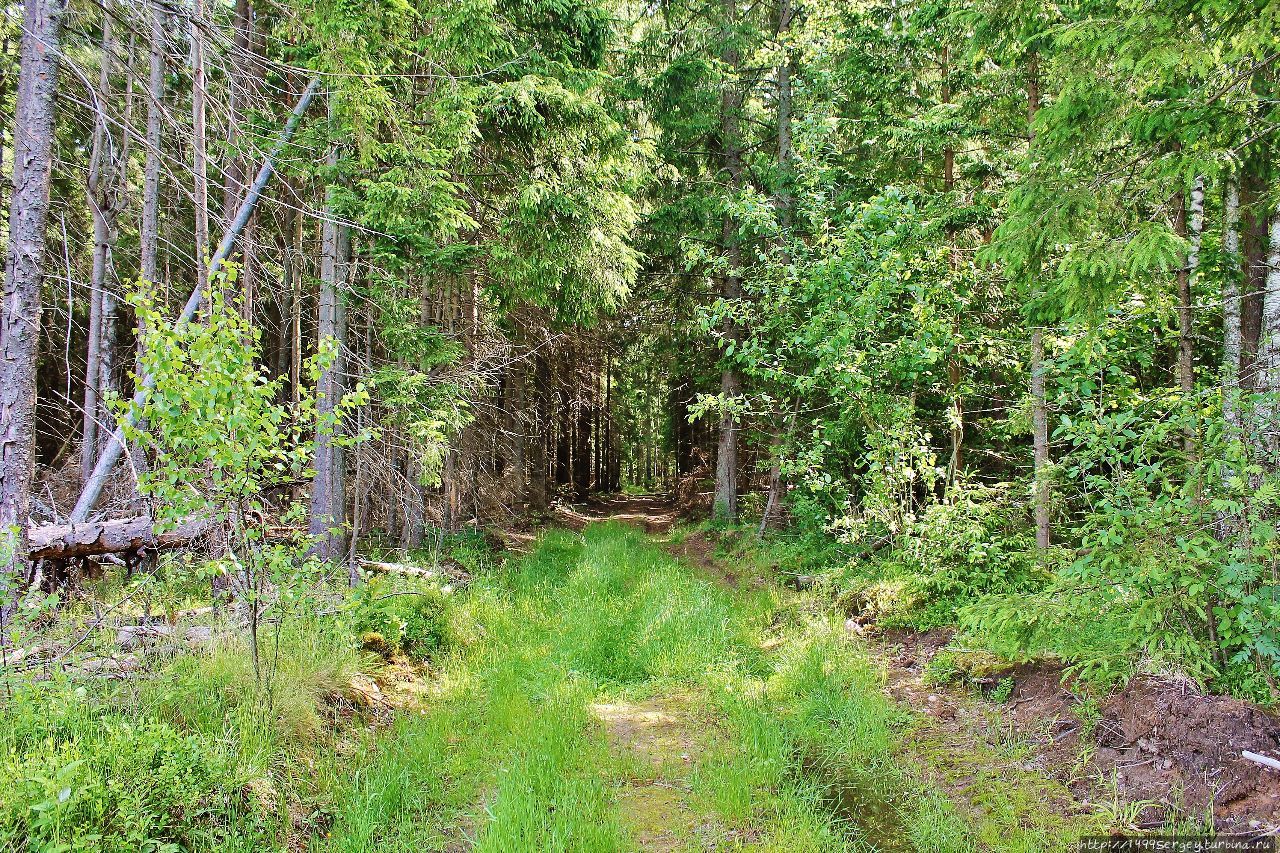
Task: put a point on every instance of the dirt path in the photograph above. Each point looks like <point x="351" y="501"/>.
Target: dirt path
<point x="651" y="513"/>
<point x="657" y="741"/>
<point x="638" y="692"/>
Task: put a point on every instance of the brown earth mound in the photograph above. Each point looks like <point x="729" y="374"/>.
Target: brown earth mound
<point x="1159" y="741"/>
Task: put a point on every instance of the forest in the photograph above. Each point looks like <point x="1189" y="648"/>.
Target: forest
<point x="591" y="425"/>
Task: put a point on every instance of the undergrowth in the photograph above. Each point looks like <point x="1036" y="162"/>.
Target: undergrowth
<point x="797" y="747"/>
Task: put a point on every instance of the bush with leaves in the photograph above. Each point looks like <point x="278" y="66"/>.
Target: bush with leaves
<point x="78" y="778"/>
<point x="219" y="440"/>
<point x="411" y="620"/>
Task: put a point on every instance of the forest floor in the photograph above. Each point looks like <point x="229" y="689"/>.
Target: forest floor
<point x="625" y="691"/>
<point x="617" y="682"/>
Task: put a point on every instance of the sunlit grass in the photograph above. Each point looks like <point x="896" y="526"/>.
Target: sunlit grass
<point x="792" y="744"/>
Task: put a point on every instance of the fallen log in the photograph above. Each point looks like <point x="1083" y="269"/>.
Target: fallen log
<point x="131" y="637"/>
<point x="398" y="569"/>
<point x="65" y="541"/>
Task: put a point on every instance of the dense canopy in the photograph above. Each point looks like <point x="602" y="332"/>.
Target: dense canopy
<point x="975" y="303"/>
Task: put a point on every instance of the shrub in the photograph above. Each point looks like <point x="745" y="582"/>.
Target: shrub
<point x="412" y="621"/>
<point x="101" y="782"/>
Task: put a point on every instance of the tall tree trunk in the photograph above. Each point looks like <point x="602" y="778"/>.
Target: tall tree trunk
<point x="539" y="431"/>
<point x="1253" y="195"/>
<point x="1039" y="402"/>
<point x="582" y="433"/>
<point x="955" y="373"/>
<point x="726" y="493"/>
<point x="240" y="73"/>
<point x="20" y="310"/>
<point x="4" y="130"/>
<point x="327" y="492"/>
<point x="1231" y="303"/>
<point x="516" y="416"/>
<point x="1040" y="437"/>
<point x="1267" y="367"/>
<point x="199" y="148"/>
<point x="784" y="199"/>
<point x="784" y="203"/>
<point x="149" y="224"/>
<point x="101" y="197"/>
<point x="1190" y="225"/>
<point x="564" y="430"/>
<point x="1185" y="310"/>
<point x="295" y="317"/>
<point x="149" y="228"/>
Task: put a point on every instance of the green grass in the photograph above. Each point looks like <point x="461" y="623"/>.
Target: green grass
<point x="196" y="757"/>
<point x="792" y="749"/>
<point x="804" y="753"/>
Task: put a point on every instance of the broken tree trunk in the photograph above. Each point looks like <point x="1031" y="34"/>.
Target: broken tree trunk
<point x="114" y="447"/>
<point x="65" y="541"/>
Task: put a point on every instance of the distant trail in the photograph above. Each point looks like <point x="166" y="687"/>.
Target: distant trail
<point x="651" y="513"/>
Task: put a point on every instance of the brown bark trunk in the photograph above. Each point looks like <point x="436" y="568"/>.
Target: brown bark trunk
<point x="20" y="310"/>
<point x="538" y="433"/>
<point x="726" y="493"/>
<point x="328" y="504"/>
<point x="1253" y="195"/>
<point x="582" y="436"/>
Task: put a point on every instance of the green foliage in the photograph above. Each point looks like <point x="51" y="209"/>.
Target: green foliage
<point x="413" y="621"/>
<point x="211" y="416"/>
<point x="79" y="778"/>
<point x="430" y="412"/>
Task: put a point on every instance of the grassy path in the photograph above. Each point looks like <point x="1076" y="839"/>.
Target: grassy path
<point x="605" y="696"/>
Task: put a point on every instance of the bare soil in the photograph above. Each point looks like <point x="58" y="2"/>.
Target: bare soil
<point x="651" y="513"/>
<point x="1159" y="743"/>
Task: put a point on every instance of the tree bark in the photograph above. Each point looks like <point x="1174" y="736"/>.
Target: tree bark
<point x="1253" y="194"/>
<point x="64" y="541"/>
<point x="1040" y="437"/>
<point x="539" y="436"/>
<point x="4" y="128"/>
<point x="149" y="228"/>
<point x="102" y="199"/>
<point x="1267" y="367"/>
<point x="955" y="372"/>
<point x="1039" y="402"/>
<point x="237" y="96"/>
<point x="328" y="504"/>
<point x="784" y="199"/>
<point x="93" y="489"/>
<point x="199" y="149"/>
<point x="20" y="310"/>
<point x="1231" y="303"/>
<point x="725" y="507"/>
<point x="582" y="433"/>
<point x="1191" y="226"/>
